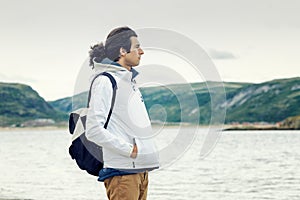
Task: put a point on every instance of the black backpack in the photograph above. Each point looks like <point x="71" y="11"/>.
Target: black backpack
<point x="88" y="155"/>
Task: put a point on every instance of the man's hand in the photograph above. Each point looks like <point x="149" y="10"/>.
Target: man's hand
<point x="134" y="152"/>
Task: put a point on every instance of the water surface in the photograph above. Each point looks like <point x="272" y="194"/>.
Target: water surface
<point x="244" y="165"/>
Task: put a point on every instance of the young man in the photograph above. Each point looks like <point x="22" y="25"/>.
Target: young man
<point x="128" y="150"/>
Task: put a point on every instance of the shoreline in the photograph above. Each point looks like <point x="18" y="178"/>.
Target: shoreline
<point x="258" y="127"/>
<point x="225" y="127"/>
<point x="33" y="128"/>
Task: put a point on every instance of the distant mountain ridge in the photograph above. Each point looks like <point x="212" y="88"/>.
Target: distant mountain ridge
<point x="20" y="103"/>
<point x="271" y="101"/>
<point x="68" y="104"/>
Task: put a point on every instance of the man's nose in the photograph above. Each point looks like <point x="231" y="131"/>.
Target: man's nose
<point x="141" y="52"/>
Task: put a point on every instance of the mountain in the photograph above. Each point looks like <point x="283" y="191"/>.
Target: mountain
<point x="68" y="104"/>
<point x="173" y="99"/>
<point x="271" y="101"/>
<point x="20" y="103"/>
<point x="180" y="102"/>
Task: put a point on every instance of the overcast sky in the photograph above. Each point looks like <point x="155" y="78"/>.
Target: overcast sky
<point x="44" y="43"/>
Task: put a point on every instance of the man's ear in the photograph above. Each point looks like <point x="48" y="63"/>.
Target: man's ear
<point x="123" y="52"/>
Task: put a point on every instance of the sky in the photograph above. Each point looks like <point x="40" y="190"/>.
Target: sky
<point x="45" y="43"/>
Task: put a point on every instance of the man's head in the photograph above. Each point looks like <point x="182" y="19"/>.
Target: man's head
<point x="132" y="57"/>
<point x="121" y="46"/>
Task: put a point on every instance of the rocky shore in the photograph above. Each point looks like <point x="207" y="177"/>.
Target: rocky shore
<point x="290" y="123"/>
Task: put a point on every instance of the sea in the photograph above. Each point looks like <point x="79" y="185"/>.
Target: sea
<point x="35" y="165"/>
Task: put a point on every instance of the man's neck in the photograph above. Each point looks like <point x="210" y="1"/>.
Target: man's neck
<point x="125" y="66"/>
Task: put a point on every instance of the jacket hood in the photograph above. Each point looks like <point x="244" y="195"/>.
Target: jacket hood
<point x="107" y="65"/>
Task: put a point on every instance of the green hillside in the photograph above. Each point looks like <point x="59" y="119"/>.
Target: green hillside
<point x="271" y="101"/>
<point x="177" y="101"/>
<point x="68" y="104"/>
<point x="20" y="103"/>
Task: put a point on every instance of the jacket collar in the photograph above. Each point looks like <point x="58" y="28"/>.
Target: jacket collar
<point x="110" y="66"/>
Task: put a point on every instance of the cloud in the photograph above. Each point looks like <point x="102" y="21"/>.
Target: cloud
<point x="221" y="55"/>
<point x="3" y="77"/>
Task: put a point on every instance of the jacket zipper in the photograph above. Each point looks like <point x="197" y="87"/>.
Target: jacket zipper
<point x="134" y="143"/>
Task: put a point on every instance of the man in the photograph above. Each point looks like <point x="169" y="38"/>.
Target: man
<point x="128" y="150"/>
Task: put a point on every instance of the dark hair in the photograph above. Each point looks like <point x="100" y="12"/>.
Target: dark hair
<point x="116" y="39"/>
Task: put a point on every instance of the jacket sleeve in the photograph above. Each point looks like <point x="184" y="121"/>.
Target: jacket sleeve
<point x="99" y="107"/>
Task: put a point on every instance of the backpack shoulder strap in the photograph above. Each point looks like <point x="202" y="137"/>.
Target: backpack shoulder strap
<point x="114" y="87"/>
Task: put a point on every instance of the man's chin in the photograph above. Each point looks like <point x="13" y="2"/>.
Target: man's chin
<point x="135" y="64"/>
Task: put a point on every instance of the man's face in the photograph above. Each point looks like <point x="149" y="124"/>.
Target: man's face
<point x="133" y="57"/>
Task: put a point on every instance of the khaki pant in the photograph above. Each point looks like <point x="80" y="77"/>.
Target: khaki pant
<point x="127" y="187"/>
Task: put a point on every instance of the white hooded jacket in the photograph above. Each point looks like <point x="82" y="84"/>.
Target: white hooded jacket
<point x="129" y="122"/>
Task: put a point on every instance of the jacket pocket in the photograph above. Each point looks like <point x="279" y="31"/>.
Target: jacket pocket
<point x="147" y="153"/>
